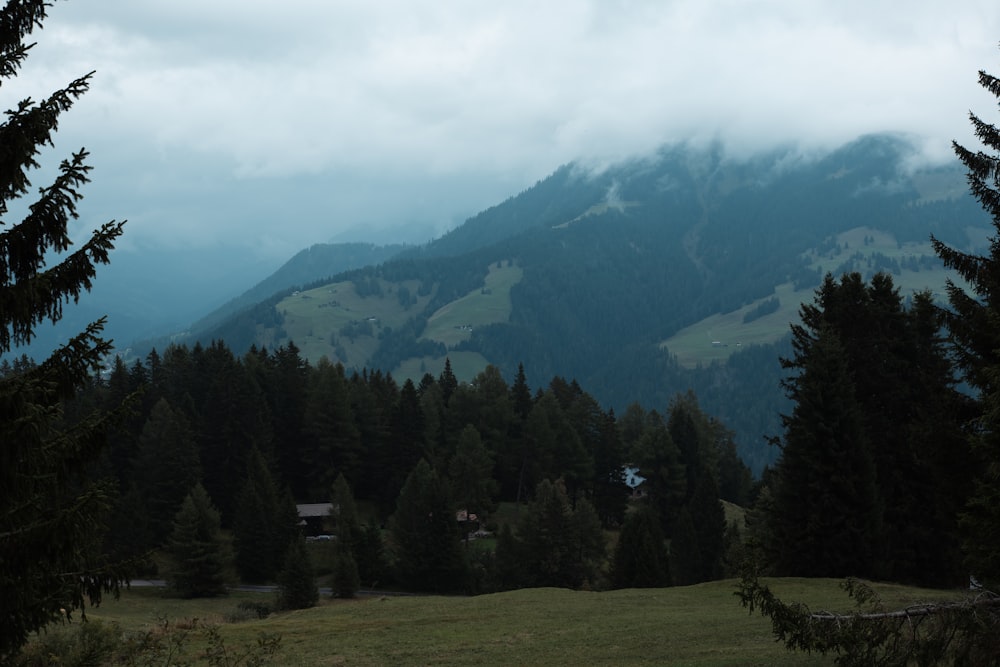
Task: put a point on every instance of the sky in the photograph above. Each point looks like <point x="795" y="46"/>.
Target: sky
<point x="256" y="128"/>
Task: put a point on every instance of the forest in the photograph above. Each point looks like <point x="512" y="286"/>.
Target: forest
<point x="262" y="432"/>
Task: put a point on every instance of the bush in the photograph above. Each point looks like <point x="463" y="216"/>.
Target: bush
<point x="90" y="644"/>
<point x="249" y="610"/>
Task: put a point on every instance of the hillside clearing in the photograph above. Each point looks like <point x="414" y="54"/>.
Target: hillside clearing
<point x="715" y="338"/>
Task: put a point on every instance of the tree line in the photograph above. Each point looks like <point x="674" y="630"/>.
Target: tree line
<point x="260" y="432"/>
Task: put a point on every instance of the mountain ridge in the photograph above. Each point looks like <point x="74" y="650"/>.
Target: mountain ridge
<point x="603" y="285"/>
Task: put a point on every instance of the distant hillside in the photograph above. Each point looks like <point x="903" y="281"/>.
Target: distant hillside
<point x="642" y="280"/>
<point x="322" y="260"/>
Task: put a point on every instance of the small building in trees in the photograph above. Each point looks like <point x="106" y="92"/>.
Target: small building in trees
<point x="315" y="518"/>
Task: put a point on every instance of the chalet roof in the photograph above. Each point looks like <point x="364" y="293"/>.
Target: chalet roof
<point x="310" y="510"/>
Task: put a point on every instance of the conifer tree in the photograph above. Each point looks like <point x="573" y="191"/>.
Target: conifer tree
<point x="559" y="546"/>
<point x="428" y="548"/>
<point x="51" y="513"/>
<point x="826" y="516"/>
<point x="640" y="558"/>
<point x="297" y="579"/>
<point x="346" y="577"/>
<point x="974" y="325"/>
<point x="334" y="440"/>
<point x="166" y="467"/>
<point x="199" y="553"/>
<point x="264" y="525"/>
<point x="685" y="555"/>
<point x="709" y="519"/>
<point x="471" y="473"/>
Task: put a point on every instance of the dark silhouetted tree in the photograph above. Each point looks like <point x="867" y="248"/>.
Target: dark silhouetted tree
<point x="640" y="558"/>
<point x="166" y="467"/>
<point x="264" y="525"/>
<point x="709" y="519"/>
<point x="198" y="552"/>
<point x="428" y="549"/>
<point x="826" y="516"/>
<point x="51" y="513"/>
<point x="297" y="581"/>
<point x="471" y="474"/>
<point x="558" y="546"/>
<point x="974" y="324"/>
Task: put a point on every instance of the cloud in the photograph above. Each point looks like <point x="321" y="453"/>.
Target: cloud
<point x="218" y="120"/>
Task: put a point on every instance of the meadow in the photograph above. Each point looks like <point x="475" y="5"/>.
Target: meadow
<point x="715" y="338"/>
<point x="700" y="625"/>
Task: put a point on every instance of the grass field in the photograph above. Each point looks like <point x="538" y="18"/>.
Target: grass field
<point x="316" y="320"/>
<point x="717" y="337"/>
<point x="696" y="625"/>
<point x="311" y="317"/>
<point x="454" y="322"/>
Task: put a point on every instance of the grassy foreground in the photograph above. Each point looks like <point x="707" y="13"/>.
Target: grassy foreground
<point x="694" y="625"/>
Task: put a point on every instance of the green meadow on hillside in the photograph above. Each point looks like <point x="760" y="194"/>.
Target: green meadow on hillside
<point x="694" y="625"/>
<point x="714" y="338"/>
<point x="315" y="318"/>
<point x="333" y="320"/>
<point x="454" y="322"/>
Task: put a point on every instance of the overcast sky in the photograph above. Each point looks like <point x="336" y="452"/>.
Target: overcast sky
<point x="264" y="126"/>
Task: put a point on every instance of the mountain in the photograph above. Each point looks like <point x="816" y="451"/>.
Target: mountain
<point x="322" y="260"/>
<point x="680" y="270"/>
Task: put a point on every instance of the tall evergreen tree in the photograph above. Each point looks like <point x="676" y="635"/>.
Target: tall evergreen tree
<point x="471" y="474"/>
<point x="826" y="515"/>
<point x="198" y="552"/>
<point x="910" y="415"/>
<point x="334" y="442"/>
<point x="297" y="581"/>
<point x="232" y="418"/>
<point x="264" y="525"/>
<point x="685" y="554"/>
<point x="709" y="520"/>
<point x="428" y="548"/>
<point x="166" y="467"/>
<point x="659" y="462"/>
<point x="559" y="546"/>
<point x="350" y="537"/>
<point x="974" y="324"/>
<point x="399" y="454"/>
<point x="640" y="558"/>
<point x="49" y="536"/>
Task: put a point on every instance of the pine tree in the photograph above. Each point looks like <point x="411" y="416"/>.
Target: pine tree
<point x="471" y="473"/>
<point x="49" y="535"/>
<point x="199" y="553"/>
<point x="166" y="467"/>
<point x="428" y="548"/>
<point x="974" y="325"/>
<point x="826" y="517"/>
<point x="709" y="519"/>
<point x="685" y="555"/>
<point x="909" y="412"/>
<point x="346" y="577"/>
<point x="297" y="580"/>
<point x="264" y="525"/>
<point x="559" y="546"/>
<point x="640" y="558"/>
<point x="334" y="441"/>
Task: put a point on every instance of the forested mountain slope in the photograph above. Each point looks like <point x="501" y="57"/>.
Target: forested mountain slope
<point x="597" y="276"/>
<point x="307" y="266"/>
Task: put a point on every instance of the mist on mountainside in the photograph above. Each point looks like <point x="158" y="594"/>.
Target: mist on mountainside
<point x="681" y="269"/>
